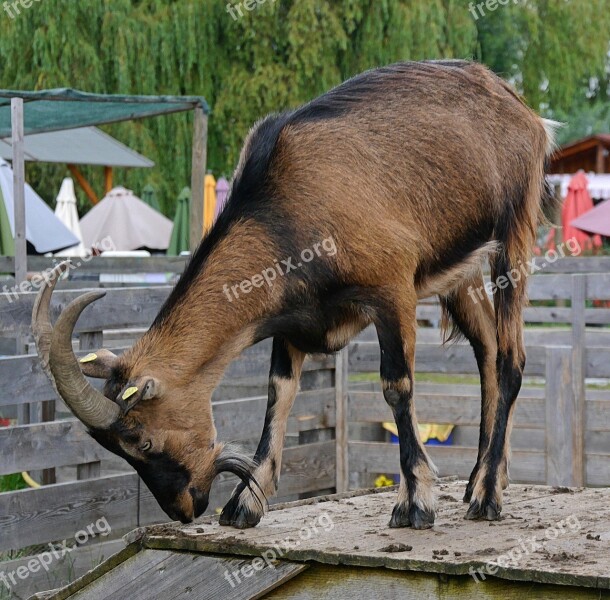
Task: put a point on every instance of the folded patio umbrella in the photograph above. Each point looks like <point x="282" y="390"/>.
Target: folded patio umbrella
<point x="66" y="212"/>
<point x="577" y="203"/>
<point x="180" y="233"/>
<point x="149" y="195"/>
<point x="43" y="230"/>
<point x="125" y="221"/>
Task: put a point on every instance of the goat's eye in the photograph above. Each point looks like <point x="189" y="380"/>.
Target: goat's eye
<point x="146" y="446"/>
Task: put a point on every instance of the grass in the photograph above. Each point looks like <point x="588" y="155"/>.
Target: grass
<point x="10" y="483"/>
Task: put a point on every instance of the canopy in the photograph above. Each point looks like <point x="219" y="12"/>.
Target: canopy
<point x="125" y="221"/>
<point x="42" y="112"/>
<point x="82" y="146"/>
<point x="597" y="220"/>
<point x="577" y="203"/>
<point x="65" y="211"/>
<point x="149" y="195"/>
<point x="43" y="229"/>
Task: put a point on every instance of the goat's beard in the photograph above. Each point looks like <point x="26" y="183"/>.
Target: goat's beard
<point x="232" y="460"/>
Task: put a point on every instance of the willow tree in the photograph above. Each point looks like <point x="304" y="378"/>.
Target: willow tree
<point x="282" y="53"/>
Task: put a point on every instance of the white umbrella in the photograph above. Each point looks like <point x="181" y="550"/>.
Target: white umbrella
<point x="65" y="211"/>
<point x="128" y="222"/>
<point x="42" y="228"/>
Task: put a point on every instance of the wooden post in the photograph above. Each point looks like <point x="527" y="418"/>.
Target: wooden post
<point x="21" y="255"/>
<point x="341" y="427"/>
<point x="82" y="181"/>
<point x="579" y="367"/>
<point x="198" y="167"/>
<point x="564" y="424"/>
<point x="107" y="179"/>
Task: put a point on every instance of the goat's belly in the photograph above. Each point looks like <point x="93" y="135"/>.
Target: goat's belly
<point x="327" y="340"/>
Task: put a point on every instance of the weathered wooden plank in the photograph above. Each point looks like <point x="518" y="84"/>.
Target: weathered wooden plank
<point x="54" y="444"/>
<point x="62" y="570"/>
<point x="377" y="457"/>
<point x="341" y="427"/>
<point x="101" y="264"/>
<point x="160" y="574"/>
<point x="24" y="381"/>
<point x="55" y="512"/>
<point x="455" y="358"/>
<point x="442" y="408"/>
<point x="597" y="469"/>
<point x="119" y="309"/>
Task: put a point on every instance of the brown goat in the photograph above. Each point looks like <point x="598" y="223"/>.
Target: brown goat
<point x="416" y="172"/>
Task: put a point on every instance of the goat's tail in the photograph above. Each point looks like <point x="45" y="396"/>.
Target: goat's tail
<point x="515" y="231"/>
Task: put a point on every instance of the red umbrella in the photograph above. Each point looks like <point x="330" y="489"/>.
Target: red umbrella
<point x="577" y="203"/>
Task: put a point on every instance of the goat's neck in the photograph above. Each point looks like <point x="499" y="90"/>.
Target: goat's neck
<point x="208" y="325"/>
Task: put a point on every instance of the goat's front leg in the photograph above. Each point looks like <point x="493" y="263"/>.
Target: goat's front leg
<point x="396" y="329"/>
<point x="246" y="506"/>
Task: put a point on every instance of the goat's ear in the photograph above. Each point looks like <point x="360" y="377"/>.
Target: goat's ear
<point x="136" y="390"/>
<point x="98" y="364"/>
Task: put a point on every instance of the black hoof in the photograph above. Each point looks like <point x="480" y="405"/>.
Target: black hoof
<point x="488" y="510"/>
<point x="421" y="519"/>
<point x="400" y="516"/>
<point x="413" y="516"/>
<point x="236" y="515"/>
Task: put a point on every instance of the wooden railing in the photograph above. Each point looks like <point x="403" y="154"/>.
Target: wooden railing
<point x="561" y="429"/>
<point x="560" y="433"/>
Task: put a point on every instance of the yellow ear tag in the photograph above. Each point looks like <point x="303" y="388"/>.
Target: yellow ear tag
<point x="88" y="358"/>
<point x="129" y="392"/>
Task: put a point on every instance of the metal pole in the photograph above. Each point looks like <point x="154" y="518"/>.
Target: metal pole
<point x="21" y="256"/>
<point x="198" y="166"/>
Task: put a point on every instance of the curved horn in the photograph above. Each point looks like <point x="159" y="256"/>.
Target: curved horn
<point x="41" y="323"/>
<point x="89" y="405"/>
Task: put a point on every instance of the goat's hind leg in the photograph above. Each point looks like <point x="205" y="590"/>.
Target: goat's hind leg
<point x="396" y="328"/>
<point x="246" y="506"/>
<point x="471" y="311"/>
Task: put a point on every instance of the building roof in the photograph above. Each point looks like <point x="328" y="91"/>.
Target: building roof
<point x="82" y="146"/>
<point x="591" y="154"/>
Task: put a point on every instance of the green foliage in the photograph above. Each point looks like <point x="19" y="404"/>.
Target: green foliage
<point x="9" y="483"/>
<point x="281" y="54"/>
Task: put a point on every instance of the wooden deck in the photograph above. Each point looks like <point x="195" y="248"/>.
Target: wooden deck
<point x="551" y="543"/>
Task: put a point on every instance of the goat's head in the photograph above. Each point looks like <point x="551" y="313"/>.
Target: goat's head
<point x="143" y="417"/>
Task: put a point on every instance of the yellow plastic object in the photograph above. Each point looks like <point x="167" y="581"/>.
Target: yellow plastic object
<point x="88" y="358"/>
<point x="383" y="481"/>
<point x="209" y="201"/>
<point x="29" y="480"/>
<point x="129" y="392"/>
<point x="427" y="431"/>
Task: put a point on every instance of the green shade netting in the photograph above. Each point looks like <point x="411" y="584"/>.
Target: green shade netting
<point x="179" y="241"/>
<point x="54" y="110"/>
<point x="7" y="242"/>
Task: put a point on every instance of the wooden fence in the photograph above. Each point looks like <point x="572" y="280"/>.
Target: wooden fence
<point x="561" y="426"/>
<point x="560" y="432"/>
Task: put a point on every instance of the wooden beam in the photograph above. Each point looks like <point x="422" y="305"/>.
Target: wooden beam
<point x="599" y="160"/>
<point x="21" y="255"/>
<point x="107" y="179"/>
<point x="198" y="167"/>
<point x="80" y="178"/>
